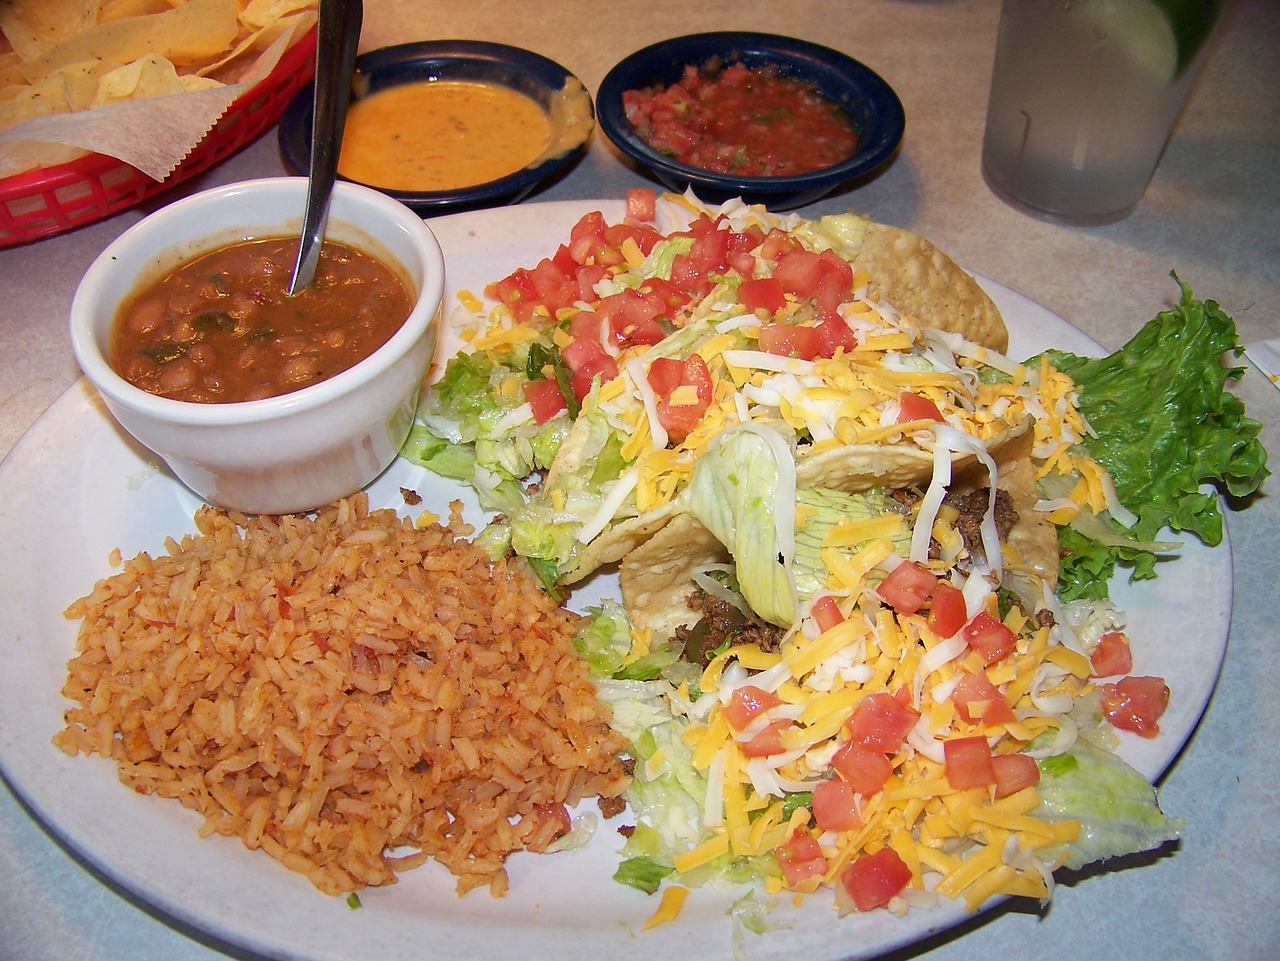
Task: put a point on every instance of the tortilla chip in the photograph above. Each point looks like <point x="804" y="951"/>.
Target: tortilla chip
<point x="193" y="33"/>
<point x="920" y="280"/>
<point x="33" y="27"/>
<point x="33" y="100"/>
<point x="119" y="9"/>
<point x="655" y="577"/>
<point x="149" y="76"/>
<point x="261" y="13"/>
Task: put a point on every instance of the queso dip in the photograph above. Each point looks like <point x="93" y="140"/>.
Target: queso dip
<point x="441" y="135"/>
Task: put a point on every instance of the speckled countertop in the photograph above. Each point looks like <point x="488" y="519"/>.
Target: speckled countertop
<point x="1212" y="213"/>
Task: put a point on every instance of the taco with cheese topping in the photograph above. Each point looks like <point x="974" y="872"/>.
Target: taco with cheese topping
<point x="610" y="368"/>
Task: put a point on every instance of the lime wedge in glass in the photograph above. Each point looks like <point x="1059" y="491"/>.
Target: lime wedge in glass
<point x="1192" y="22"/>
<point x="1161" y="36"/>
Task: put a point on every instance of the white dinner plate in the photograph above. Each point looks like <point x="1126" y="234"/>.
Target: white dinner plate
<point x="75" y="487"/>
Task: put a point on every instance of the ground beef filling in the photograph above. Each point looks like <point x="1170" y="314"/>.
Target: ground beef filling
<point x="722" y="623"/>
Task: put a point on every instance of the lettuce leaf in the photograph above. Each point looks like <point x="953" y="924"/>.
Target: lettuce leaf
<point x="1169" y="433"/>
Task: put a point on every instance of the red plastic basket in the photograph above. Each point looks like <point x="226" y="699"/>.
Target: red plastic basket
<point x="53" y="200"/>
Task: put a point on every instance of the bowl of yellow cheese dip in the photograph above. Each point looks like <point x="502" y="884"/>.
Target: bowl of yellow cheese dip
<point x="452" y="124"/>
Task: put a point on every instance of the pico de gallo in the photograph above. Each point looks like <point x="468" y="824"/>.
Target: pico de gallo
<point x="747" y="121"/>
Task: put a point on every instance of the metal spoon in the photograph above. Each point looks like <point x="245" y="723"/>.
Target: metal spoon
<point x="337" y="36"/>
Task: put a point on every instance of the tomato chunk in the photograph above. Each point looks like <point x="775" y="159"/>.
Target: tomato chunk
<point x="967" y="762"/>
<point x="947" y="612"/>
<point x="874" y="880"/>
<point x="799" y="271"/>
<point x="1014" y="772"/>
<point x="586" y="359"/>
<point x="978" y="701"/>
<point x="763" y="293"/>
<point x="989" y="637"/>
<point x="641" y="204"/>
<point x="746" y="704"/>
<point x="865" y="770"/>
<point x="789" y="340"/>
<point x="913" y="407"/>
<point x="546" y="399"/>
<point x="1112" y="655"/>
<point x="833" y="335"/>
<point x="801" y="859"/>
<point x="768" y="742"/>
<point x="683" y="389"/>
<point x="826" y="611"/>
<point x="880" y="722"/>
<point x="908" y="587"/>
<point x="1136" y="704"/>
<point x="835" y="806"/>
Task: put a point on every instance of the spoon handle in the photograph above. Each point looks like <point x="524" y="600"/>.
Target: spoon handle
<point x="337" y="37"/>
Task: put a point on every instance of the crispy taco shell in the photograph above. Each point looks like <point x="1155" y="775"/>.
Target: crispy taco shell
<point x="920" y="280"/>
<point x="656" y="576"/>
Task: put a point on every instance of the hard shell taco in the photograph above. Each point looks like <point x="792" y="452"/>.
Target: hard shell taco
<point x="636" y="345"/>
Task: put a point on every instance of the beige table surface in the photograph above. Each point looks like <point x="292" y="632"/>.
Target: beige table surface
<point x="1212" y="213"/>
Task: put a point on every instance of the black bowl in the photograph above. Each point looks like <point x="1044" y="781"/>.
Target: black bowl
<point x="544" y="81"/>
<point x="871" y="103"/>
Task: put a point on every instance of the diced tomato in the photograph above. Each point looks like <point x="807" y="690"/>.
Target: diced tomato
<point x="913" y="407"/>
<point x="667" y="294"/>
<point x="557" y="813"/>
<point x="789" y="340"/>
<point x="762" y="293"/>
<point x="586" y="277"/>
<point x="745" y="241"/>
<point x="631" y="317"/>
<point x="835" y="283"/>
<point x="989" y="637"/>
<point x="1136" y="704"/>
<point x="1014" y="772"/>
<point x="873" y="880"/>
<point x="776" y="243"/>
<point x="834" y="334"/>
<point x="801" y="860"/>
<point x="1112" y="655"/>
<point x="826" y="611"/>
<point x="908" y="587"/>
<point x="742" y="247"/>
<point x="865" y="770"/>
<point x="564" y="260"/>
<point x="516" y="291"/>
<point x="978" y="701"/>
<point x="881" y="722"/>
<point x="711" y="250"/>
<point x="590" y="224"/>
<point x="835" y="806"/>
<point x="546" y="399"/>
<point x="689" y="275"/>
<point x="798" y="271"/>
<point x="641" y="204"/>
<point x="747" y="703"/>
<point x="967" y="762"/>
<point x="586" y="359"/>
<point x="671" y="380"/>
<point x="767" y="743"/>
<point x="947" y="612"/>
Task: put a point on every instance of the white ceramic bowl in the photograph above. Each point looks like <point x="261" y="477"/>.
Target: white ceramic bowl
<point x="301" y="450"/>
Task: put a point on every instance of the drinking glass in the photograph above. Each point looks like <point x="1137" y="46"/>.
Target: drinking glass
<point x="1084" y="95"/>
